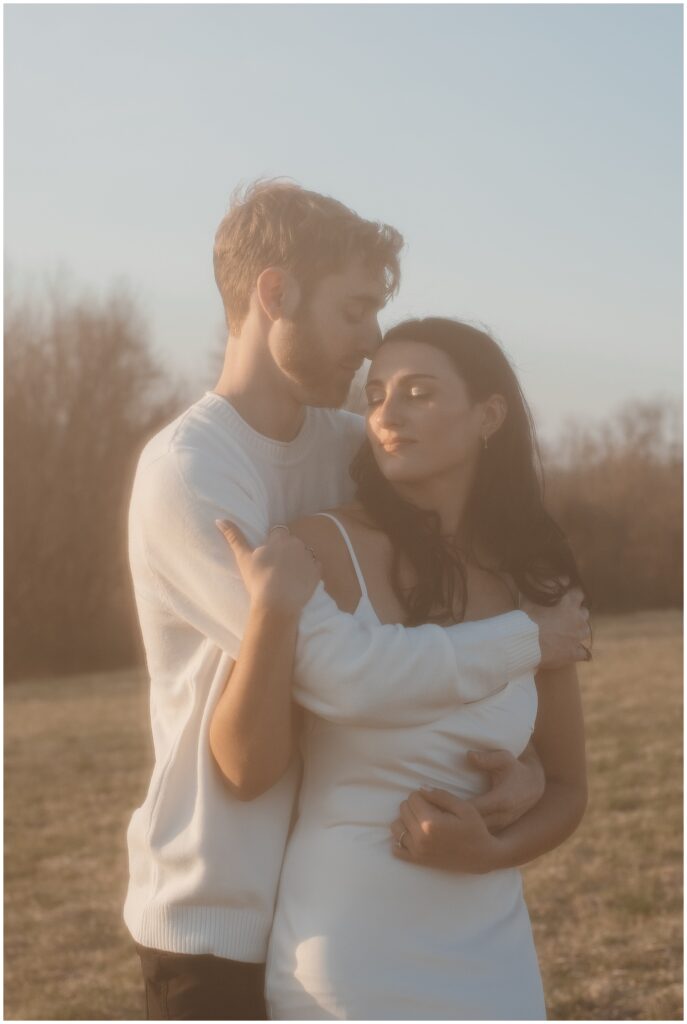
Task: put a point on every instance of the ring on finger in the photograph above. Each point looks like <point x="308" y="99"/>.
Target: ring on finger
<point x="399" y="842"/>
<point x="279" y="526"/>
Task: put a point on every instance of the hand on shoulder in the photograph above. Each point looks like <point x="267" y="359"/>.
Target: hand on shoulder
<point x="324" y="537"/>
<point x="280" y="574"/>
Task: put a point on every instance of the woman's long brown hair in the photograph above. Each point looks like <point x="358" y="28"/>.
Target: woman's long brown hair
<point x="505" y="513"/>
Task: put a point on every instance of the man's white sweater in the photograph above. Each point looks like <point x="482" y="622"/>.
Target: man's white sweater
<point x="204" y="866"/>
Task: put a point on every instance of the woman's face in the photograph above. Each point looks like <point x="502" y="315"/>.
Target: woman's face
<point x="421" y="421"/>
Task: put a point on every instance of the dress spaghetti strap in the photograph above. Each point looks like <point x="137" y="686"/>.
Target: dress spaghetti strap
<point x="351" y="551"/>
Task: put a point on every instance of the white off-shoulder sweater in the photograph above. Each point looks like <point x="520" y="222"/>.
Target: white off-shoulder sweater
<point x="204" y="866"/>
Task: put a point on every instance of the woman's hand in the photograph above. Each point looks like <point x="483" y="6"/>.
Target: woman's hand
<point x="440" y="830"/>
<point x="281" y="574"/>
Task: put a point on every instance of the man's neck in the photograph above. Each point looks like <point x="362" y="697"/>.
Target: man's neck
<point x="254" y="386"/>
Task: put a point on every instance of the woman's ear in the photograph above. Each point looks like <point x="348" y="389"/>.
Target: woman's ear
<point x="494" y="412"/>
<point x="278" y="293"/>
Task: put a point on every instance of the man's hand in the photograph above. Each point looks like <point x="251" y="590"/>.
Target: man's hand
<point x="438" y="830"/>
<point x="517" y="784"/>
<point x="564" y="633"/>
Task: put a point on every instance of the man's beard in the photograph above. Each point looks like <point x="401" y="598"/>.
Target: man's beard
<point x="304" y="360"/>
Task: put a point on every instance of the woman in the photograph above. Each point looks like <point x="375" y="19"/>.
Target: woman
<point x="449" y="526"/>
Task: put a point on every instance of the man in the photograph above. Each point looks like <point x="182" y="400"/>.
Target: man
<point x="302" y="279"/>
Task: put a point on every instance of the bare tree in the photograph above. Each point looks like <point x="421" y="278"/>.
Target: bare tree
<point x="616" y="488"/>
<point x="82" y="393"/>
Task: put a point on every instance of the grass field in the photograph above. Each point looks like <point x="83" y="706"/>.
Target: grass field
<point x="606" y="907"/>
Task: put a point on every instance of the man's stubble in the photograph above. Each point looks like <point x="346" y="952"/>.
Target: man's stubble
<point x="304" y="360"/>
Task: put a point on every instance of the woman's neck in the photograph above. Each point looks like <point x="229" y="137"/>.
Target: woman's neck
<point x="447" y="495"/>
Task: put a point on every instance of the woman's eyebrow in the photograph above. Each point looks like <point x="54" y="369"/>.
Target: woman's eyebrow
<point x="403" y="380"/>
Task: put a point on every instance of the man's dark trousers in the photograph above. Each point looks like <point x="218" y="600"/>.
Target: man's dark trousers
<point x="183" y="986"/>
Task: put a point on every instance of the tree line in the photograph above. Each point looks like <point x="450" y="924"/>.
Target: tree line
<point x="84" y="391"/>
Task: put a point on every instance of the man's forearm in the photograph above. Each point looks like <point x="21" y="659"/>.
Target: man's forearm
<point x="251" y="729"/>
<point x="383" y="675"/>
<point x="389" y="675"/>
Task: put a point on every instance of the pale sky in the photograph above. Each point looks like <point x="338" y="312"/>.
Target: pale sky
<point x="530" y="154"/>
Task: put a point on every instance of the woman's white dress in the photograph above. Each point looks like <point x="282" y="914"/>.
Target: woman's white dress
<point x="361" y="935"/>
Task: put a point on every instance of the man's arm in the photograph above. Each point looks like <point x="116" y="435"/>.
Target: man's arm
<point x="516" y="785"/>
<point x="175" y="501"/>
<point x="437" y="829"/>
<point x="346" y="670"/>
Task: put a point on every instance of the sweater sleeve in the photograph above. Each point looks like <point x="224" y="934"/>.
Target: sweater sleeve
<point x="351" y="671"/>
<point x="346" y="670"/>
<point x="187" y="565"/>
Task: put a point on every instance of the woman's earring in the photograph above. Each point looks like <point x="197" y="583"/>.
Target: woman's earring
<point x="485" y="442"/>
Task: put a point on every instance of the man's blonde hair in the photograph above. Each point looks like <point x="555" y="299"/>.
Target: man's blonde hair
<point x="279" y="224"/>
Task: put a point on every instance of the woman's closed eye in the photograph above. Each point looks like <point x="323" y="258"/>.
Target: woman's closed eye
<point x="414" y="393"/>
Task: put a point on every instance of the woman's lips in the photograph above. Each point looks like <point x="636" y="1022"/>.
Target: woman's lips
<point x="396" y="445"/>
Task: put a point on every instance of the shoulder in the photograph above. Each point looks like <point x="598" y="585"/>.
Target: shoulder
<point x="321" y="527"/>
<point x="192" y="470"/>
<point x="196" y="451"/>
<point x="322" y="535"/>
<point x="338" y="575"/>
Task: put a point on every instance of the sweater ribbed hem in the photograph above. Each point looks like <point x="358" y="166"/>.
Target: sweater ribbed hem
<point x="521" y="644"/>
<point x="235" y="934"/>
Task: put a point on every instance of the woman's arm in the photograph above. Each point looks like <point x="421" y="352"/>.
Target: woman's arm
<point x="444" y="831"/>
<point x="560" y="743"/>
<point x="252" y="726"/>
<point x="348" y="671"/>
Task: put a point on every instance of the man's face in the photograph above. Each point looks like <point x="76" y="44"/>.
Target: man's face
<point x="322" y="345"/>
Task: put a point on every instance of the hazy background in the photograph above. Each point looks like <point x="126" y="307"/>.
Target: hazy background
<point x="530" y="154"/>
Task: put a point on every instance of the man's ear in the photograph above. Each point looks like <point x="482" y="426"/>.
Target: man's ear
<point x="495" y="410"/>
<point x="278" y="293"/>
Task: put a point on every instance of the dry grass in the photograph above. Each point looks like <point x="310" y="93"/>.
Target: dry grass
<point x="607" y="907"/>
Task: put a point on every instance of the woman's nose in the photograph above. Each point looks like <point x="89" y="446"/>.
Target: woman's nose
<point x="388" y="414"/>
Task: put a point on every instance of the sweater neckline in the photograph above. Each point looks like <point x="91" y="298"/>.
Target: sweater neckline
<point x="277" y="451"/>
